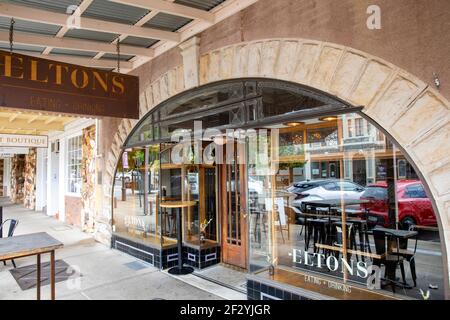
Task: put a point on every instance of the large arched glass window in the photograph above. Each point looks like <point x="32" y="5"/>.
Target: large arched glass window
<point x="294" y="186"/>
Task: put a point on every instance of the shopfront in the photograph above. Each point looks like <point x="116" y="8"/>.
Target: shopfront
<point x="289" y="184"/>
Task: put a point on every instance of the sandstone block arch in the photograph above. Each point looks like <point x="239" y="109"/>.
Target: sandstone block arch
<point x="414" y="114"/>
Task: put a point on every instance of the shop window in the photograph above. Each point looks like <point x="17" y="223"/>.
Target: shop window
<point x="74" y="164"/>
<point x="359" y="127"/>
<point x="350" y="128"/>
<point x="316" y="210"/>
<point x="136" y="197"/>
<point x="325" y="234"/>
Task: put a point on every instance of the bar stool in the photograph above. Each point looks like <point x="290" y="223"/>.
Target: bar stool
<point x="350" y="237"/>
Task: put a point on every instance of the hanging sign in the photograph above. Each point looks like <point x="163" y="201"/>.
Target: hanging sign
<point x="23" y="140"/>
<point x="125" y="160"/>
<point x="39" y="84"/>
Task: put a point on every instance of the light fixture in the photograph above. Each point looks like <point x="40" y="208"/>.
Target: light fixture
<point x="293" y="123"/>
<point x="328" y="118"/>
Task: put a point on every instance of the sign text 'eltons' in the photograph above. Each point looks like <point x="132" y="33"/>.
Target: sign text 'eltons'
<point x="39" y="84"/>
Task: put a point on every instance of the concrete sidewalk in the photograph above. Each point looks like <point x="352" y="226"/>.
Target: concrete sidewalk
<point x="105" y="273"/>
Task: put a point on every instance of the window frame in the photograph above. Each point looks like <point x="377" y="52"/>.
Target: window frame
<point x="68" y="165"/>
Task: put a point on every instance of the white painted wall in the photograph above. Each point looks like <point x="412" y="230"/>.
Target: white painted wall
<point x="57" y="167"/>
<point x="41" y="179"/>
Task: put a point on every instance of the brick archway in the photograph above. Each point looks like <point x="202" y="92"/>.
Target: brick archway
<point x="406" y="108"/>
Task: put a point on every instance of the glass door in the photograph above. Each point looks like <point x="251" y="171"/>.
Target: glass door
<point x="233" y="211"/>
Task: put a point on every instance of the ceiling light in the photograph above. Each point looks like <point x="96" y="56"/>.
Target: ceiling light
<point x="293" y="123"/>
<point x="328" y="118"/>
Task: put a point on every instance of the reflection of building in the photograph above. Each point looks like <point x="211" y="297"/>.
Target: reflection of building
<point x="349" y="147"/>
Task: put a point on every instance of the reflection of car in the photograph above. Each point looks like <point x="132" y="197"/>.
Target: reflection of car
<point x="329" y="189"/>
<point x="414" y="207"/>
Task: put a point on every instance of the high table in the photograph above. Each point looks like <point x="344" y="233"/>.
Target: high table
<point x="179" y="205"/>
<point x="398" y="235"/>
<point x="30" y="245"/>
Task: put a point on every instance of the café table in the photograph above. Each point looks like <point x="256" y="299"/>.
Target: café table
<point x="30" y="245"/>
<point x="179" y="270"/>
<point x="398" y="235"/>
<point x="332" y="203"/>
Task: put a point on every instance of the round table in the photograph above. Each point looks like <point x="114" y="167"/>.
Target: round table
<point x="179" y="270"/>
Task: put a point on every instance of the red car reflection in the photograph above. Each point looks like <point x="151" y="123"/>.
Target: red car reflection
<point x="414" y="207"/>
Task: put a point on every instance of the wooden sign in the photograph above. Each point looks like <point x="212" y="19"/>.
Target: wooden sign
<point x="23" y="140"/>
<point x="39" y="84"/>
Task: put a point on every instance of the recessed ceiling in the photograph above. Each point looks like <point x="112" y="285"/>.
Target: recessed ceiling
<point x="31" y="122"/>
<point x="141" y="27"/>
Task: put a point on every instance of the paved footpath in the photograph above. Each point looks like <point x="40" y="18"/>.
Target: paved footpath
<point x="105" y="273"/>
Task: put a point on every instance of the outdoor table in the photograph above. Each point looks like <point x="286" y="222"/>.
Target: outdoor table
<point x="333" y="203"/>
<point x="29" y="245"/>
<point x="396" y="233"/>
<point x="179" y="205"/>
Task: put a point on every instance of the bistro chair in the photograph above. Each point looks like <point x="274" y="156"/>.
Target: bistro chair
<point x="409" y="255"/>
<point x="391" y="260"/>
<point x="12" y="226"/>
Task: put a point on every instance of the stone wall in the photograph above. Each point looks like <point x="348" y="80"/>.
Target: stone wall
<point x="17" y="178"/>
<point x="73" y="208"/>
<point x="29" y="199"/>
<point x="88" y="177"/>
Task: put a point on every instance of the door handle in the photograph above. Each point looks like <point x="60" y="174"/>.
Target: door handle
<point x="244" y="215"/>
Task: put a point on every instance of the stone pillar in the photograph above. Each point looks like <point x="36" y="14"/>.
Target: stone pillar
<point x="17" y="178"/>
<point x="190" y="51"/>
<point x="29" y="198"/>
<point x="88" y="176"/>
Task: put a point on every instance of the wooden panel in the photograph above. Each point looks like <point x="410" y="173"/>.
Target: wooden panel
<point x="61" y="87"/>
<point x="233" y="213"/>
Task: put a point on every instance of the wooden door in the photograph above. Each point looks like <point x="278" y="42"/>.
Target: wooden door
<point x="233" y="213"/>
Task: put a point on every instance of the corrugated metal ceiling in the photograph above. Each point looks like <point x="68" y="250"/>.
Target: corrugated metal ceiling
<point x="29" y="26"/>
<point x="200" y="4"/>
<point x="115" y="12"/>
<point x="21" y="48"/>
<point x="102" y="10"/>
<point x="52" y="5"/>
<point x="91" y="35"/>
<point x="168" y="22"/>
<point x="139" y="42"/>
<point x="113" y="56"/>
<point x="77" y="53"/>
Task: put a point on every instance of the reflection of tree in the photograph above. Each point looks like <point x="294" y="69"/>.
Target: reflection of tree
<point x="291" y="164"/>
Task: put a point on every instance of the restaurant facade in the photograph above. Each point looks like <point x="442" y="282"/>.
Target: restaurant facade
<point x="297" y="142"/>
<point x="347" y="174"/>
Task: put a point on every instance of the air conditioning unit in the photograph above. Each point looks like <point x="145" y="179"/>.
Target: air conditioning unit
<point x="55" y="146"/>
